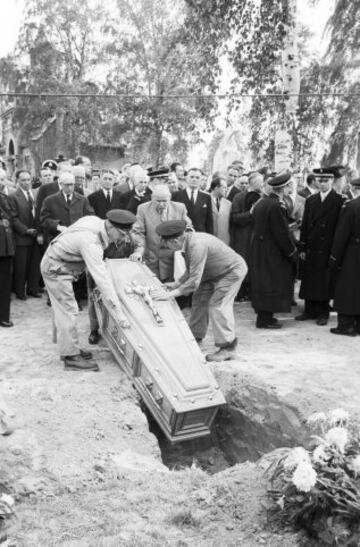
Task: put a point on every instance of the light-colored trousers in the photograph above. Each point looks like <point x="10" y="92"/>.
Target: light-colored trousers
<point x="58" y="278"/>
<point x="214" y="301"/>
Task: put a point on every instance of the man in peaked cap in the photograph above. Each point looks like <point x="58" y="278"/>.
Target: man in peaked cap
<point x="273" y="255"/>
<point x="214" y="273"/>
<point x="321" y="215"/>
<point x="51" y="164"/>
<point x="81" y="245"/>
<point x="345" y="261"/>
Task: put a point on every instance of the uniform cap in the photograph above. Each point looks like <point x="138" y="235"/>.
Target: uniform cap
<point x="51" y="164"/>
<point x="326" y="172"/>
<point x="279" y="181"/>
<point x="121" y="219"/>
<point x="355" y="183"/>
<point x="158" y="173"/>
<point x="171" y="229"/>
<point x="337" y="170"/>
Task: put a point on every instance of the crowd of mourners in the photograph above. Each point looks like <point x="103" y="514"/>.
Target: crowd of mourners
<point x="285" y="229"/>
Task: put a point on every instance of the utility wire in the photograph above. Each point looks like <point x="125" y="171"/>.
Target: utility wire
<point x="177" y="96"/>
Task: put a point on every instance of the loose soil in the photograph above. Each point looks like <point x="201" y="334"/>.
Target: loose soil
<point x="86" y="471"/>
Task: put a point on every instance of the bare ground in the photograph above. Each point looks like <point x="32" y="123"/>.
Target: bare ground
<point x="85" y="470"/>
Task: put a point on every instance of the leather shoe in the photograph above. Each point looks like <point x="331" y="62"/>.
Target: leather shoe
<point x="94" y="337"/>
<point x="77" y="362"/>
<point x="303" y="317"/>
<point x="87" y="355"/>
<point x="6" y="324"/>
<point x="222" y="354"/>
<point x="351" y="331"/>
<point x="271" y="326"/>
<point x="34" y="294"/>
<point x="322" y="321"/>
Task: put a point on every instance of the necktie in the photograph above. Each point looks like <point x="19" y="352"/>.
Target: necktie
<point x="192" y="199"/>
<point x="68" y="199"/>
<point x="30" y="202"/>
<point x="218" y="203"/>
<point x="108" y="198"/>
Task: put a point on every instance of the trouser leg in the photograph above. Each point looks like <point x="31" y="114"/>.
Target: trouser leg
<point x="221" y="309"/>
<point x="199" y="319"/>
<point x="20" y="265"/>
<point x="5" y="287"/>
<point x="94" y="323"/>
<point x="264" y="318"/>
<point x="33" y="269"/>
<point x="64" y="307"/>
<point x="323" y="309"/>
<point x="346" y="322"/>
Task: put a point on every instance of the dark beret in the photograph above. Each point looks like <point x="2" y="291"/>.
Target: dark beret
<point x="355" y="182"/>
<point x="171" y="229"/>
<point x="158" y="173"/>
<point x="325" y="172"/>
<point x="121" y="219"/>
<point x="278" y="181"/>
<point x="51" y="164"/>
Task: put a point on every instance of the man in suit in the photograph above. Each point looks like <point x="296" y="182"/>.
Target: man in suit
<point x="214" y="272"/>
<point x="140" y="192"/>
<point x="7" y="251"/>
<point x="221" y="208"/>
<point x="105" y="199"/>
<point x="321" y="214"/>
<point x="27" y="254"/>
<point x="198" y="203"/>
<point x="232" y="175"/>
<point x="149" y="215"/>
<point x="310" y="188"/>
<point x="345" y="261"/>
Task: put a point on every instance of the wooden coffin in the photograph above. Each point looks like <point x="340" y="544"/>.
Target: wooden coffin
<point x="160" y="354"/>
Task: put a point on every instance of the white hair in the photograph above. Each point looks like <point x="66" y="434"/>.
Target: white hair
<point x="66" y="176"/>
<point x="161" y="189"/>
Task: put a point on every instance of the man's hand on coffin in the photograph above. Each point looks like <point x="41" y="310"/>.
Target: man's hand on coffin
<point x="60" y="228"/>
<point x="159" y="293"/>
<point x="135" y="257"/>
<point x="171" y="285"/>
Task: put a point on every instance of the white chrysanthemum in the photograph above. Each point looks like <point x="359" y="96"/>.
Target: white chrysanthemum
<point x="338" y="416"/>
<point x="295" y="457"/>
<point x="304" y="477"/>
<point x="320" y="455"/>
<point x="338" y="437"/>
<point x="9" y="500"/>
<point x="316" y="418"/>
<point x="355" y="465"/>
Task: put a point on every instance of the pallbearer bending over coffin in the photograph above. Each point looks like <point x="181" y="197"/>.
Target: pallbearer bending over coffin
<point x="214" y="272"/>
<point x="81" y="246"/>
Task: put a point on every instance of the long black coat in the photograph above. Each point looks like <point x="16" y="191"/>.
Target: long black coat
<point x="316" y="237"/>
<point x="200" y="214"/>
<point x="241" y="223"/>
<point x="271" y="257"/>
<point x="345" y="255"/>
<point x="7" y="244"/>
<point x="46" y="190"/>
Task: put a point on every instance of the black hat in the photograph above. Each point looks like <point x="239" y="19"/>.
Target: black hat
<point x="51" y="164"/>
<point x="171" y="229"/>
<point x="279" y="181"/>
<point x="323" y="172"/>
<point x="121" y="219"/>
<point x="355" y="182"/>
<point x="158" y="173"/>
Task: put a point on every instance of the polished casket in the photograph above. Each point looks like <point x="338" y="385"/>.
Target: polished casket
<point x="159" y="353"/>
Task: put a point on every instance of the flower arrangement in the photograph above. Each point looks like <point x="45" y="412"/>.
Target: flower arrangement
<point x="318" y="490"/>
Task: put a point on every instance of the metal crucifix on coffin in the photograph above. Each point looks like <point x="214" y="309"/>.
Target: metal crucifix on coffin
<point x="143" y="292"/>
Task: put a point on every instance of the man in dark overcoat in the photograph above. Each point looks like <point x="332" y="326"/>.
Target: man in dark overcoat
<point x="272" y="256"/>
<point x="321" y="214"/>
<point x="106" y="198"/>
<point x="7" y="251"/>
<point x="345" y="259"/>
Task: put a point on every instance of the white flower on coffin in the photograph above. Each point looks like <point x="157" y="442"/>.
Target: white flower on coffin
<point x="355" y="465"/>
<point x="297" y="456"/>
<point x="316" y="419"/>
<point x="337" y="437"/>
<point x="304" y="477"/>
<point x="320" y="455"/>
<point x="338" y="416"/>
